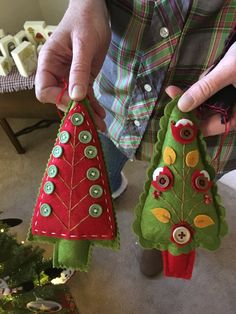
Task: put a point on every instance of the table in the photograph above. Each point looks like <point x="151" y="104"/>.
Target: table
<point x="18" y="100"/>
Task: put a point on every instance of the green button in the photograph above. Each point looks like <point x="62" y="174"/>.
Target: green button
<point x="48" y="187"/>
<point x="57" y="151"/>
<point x="45" y="210"/>
<point x="85" y="137"/>
<point x="96" y="191"/>
<point x="95" y="210"/>
<point x="64" y="137"/>
<point x="77" y="119"/>
<point x="90" y="152"/>
<point x="52" y="171"/>
<point x="93" y="174"/>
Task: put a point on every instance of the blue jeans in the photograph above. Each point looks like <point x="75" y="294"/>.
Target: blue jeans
<point x="115" y="161"/>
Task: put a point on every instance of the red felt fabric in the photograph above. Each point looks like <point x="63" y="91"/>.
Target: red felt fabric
<point x="177" y="136"/>
<point x="180" y="266"/>
<point x="70" y="200"/>
<point x="166" y="171"/>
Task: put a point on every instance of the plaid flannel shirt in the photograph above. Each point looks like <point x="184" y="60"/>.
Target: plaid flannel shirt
<point x="155" y="44"/>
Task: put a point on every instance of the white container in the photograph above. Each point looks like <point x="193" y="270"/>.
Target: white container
<point x="25" y="58"/>
<point x="21" y="36"/>
<point x="7" y="45"/>
<point x="5" y="66"/>
<point x="35" y="31"/>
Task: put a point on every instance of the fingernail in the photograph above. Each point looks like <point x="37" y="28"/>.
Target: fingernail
<point x="186" y="102"/>
<point x="78" y="92"/>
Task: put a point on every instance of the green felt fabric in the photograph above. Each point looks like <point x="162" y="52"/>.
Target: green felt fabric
<point x="181" y="201"/>
<point x="72" y="254"/>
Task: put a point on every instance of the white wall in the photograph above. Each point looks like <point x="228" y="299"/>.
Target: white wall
<point x="13" y="14"/>
<point x="53" y="10"/>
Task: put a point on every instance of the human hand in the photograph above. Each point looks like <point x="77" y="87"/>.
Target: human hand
<point x="211" y="126"/>
<point x="209" y="83"/>
<point x="75" y="52"/>
<point x="222" y="75"/>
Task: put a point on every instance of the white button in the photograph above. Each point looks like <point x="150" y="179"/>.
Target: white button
<point x="164" y="32"/>
<point x="147" y="87"/>
<point x="137" y="123"/>
<point x="181" y="235"/>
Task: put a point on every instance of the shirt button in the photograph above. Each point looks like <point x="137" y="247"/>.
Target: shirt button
<point x="137" y="123"/>
<point x="164" y="32"/>
<point x="147" y="87"/>
<point x="181" y="235"/>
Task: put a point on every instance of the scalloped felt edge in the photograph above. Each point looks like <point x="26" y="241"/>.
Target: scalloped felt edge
<point x="173" y="249"/>
<point x="113" y="244"/>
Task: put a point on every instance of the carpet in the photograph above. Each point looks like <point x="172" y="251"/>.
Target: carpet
<point x="114" y="285"/>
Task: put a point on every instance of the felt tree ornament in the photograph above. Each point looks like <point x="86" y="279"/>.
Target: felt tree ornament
<point x="180" y="209"/>
<point x="74" y="208"/>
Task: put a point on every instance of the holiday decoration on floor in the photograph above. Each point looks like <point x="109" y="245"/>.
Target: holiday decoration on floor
<point x="180" y="209"/>
<point x="19" y="264"/>
<point x="74" y="209"/>
<point x="44" y="306"/>
<point x="25" y="273"/>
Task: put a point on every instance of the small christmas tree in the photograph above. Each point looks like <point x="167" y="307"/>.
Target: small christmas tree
<point x="21" y="272"/>
<point x="74" y="209"/>
<point x="24" y="275"/>
<point x="180" y="209"/>
<point x="19" y="263"/>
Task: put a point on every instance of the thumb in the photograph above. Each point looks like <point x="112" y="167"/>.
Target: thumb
<point x="206" y="87"/>
<point x="80" y="70"/>
<point x="173" y="91"/>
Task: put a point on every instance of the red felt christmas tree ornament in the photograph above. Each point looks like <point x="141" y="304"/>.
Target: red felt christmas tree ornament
<point x="74" y="208"/>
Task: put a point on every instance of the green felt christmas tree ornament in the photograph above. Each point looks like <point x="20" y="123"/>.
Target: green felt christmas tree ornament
<point x="180" y="208"/>
<point x="74" y="208"/>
